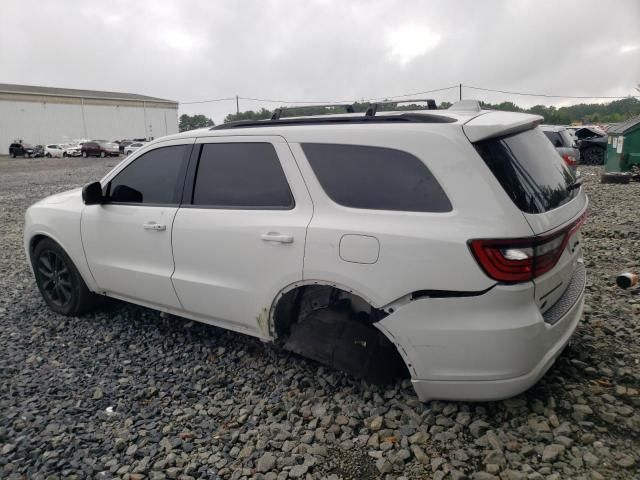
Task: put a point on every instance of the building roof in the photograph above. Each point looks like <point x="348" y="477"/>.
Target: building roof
<point x="624" y="127"/>
<point x="71" y="92"/>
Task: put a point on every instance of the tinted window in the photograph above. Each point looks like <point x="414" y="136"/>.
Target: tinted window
<point x="555" y="138"/>
<point x="241" y="175"/>
<point x="156" y="177"/>
<point x="375" y="178"/>
<point x="529" y="169"/>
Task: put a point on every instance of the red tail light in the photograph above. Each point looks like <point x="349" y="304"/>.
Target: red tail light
<point x="569" y="160"/>
<point x="515" y="260"/>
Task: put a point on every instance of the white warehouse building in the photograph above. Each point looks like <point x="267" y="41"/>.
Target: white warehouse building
<point x="43" y="115"/>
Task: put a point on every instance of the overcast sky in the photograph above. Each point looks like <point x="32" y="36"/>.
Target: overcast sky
<point x="322" y="50"/>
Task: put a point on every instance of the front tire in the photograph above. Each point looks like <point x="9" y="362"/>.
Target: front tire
<point x="59" y="282"/>
<point x="592" y="156"/>
<point x="84" y="155"/>
<point x="48" y="155"/>
<point x="102" y="154"/>
<point x="13" y="154"/>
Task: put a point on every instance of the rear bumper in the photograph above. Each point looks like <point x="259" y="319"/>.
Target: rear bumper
<point x="488" y="347"/>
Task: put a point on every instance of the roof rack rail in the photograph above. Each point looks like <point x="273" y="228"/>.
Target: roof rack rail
<point x="373" y="107"/>
<point x="277" y="113"/>
<point x="337" y="120"/>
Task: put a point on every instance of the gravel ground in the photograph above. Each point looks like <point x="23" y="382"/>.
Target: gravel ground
<point x="130" y="393"/>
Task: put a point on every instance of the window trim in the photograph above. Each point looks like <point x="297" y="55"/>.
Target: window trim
<point x="188" y="155"/>
<point x="192" y="178"/>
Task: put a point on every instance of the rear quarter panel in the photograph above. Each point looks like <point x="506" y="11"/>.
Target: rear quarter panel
<point x="418" y="251"/>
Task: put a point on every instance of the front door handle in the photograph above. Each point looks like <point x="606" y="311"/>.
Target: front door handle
<point x="276" y="237"/>
<point x="155" y="226"/>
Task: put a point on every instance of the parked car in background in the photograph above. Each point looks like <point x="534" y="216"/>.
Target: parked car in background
<point x="592" y="143"/>
<point x="38" y="151"/>
<point x="124" y="144"/>
<point x="99" y="148"/>
<point x="21" y="149"/>
<point x="564" y="143"/>
<point x="71" y="149"/>
<point x="132" y="147"/>
<point x="54" y="150"/>
<point x="344" y="240"/>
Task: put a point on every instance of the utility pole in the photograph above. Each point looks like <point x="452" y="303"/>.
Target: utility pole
<point x="237" y="106"/>
<point x="460" y="91"/>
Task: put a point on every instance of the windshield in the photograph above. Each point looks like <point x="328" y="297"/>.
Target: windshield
<point x="529" y="169"/>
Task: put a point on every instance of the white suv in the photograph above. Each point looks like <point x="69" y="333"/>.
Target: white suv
<point x="441" y="244"/>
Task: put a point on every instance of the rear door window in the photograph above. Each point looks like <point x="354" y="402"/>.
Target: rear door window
<point x="529" y="170"/>
<point x="241" y="176"/>
<point x="375" y="178"/>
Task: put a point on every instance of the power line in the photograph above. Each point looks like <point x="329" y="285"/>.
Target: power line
<point x="542" y="94"/>
<point x="271" y="100"/>
<point x="414" y="93"/>
<point x="348" y="101"/>
<point x="325" y="102"/>
<point x="208" y="101"/>
<point x="268" y="100"/>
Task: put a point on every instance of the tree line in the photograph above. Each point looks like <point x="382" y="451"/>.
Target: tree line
<point x="611" y="112"/>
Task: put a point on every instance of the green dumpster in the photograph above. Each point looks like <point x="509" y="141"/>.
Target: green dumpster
<point x="623" y="146"/>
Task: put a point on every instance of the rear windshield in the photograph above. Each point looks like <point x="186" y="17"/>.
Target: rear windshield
<point x="529" y="169"/>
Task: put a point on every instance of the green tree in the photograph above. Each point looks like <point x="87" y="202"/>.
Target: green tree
<point x="188" y="122"/>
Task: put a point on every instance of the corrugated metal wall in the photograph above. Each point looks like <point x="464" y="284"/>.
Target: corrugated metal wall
<point x="43" y="122"/>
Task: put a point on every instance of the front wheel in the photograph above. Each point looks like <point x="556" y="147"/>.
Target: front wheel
<point x="48" y="155"/>
<point x="102" y="154"/>
<point x="592" y="156"/>
<point x="84" y="154"/>
<point x="59" y="282"/>
<point x="13" y="154"/>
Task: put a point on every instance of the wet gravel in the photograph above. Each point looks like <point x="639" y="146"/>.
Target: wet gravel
<point x="130" y="393"/>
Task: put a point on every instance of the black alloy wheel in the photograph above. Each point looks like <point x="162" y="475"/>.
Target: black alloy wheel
<point x="58" y="280"/>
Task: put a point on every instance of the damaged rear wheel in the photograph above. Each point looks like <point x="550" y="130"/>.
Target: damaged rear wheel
<point x="337" y="335"/>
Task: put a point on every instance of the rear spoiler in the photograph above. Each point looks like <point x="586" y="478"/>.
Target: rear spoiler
<point x="498" y="124"/>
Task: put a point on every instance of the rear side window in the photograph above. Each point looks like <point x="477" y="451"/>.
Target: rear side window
<point x="555" y="138"/>
<point x="157" y="177"/>
<point x="529" y="170"/>
<point x="241" y="175"/>
<point x="375" y="178"/>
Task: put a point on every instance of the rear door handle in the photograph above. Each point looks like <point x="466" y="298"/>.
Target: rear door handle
<point x="154" y="226"/>
<point x="276" y="237"/>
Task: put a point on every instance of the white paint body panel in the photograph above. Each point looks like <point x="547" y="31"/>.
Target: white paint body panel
<point x="125" y="258"/>
<point x="418" y="251"/>
<point x="212" y="265"/>
<point x="225" y="271"/>
<point x="359" y="248"/>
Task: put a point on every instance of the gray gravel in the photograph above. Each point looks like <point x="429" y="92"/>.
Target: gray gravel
<point x="130" y="393"/>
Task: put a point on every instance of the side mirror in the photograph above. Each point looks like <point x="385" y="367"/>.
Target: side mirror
<point x="92" y="194"/>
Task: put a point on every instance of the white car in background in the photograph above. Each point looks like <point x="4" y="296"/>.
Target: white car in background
<point x="132" y="147"/>
<point x="442" y="244"/>
<point x="54" y="150"/>
<point x="71" y="150"/>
